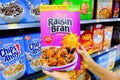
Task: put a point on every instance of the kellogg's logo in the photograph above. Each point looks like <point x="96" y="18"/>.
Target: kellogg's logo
<point x="35" y="47"/>
<point x="10" y="53"/>
<point x="59" y="25"/>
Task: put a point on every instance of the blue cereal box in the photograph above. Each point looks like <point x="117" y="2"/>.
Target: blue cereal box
<point x="12" y="11"/>
<point x="33" y="9"/>
<point x="12" y="58"/>
<point x="103" y="60"/>
<point x="33" y="52"/>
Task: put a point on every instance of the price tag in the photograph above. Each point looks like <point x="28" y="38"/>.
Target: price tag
<point x="12" y="26"/>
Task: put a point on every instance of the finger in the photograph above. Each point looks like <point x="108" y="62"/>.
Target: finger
<point x="48" y="73"/>
<point x="83" y="48"/>
<point x="82" y="53"/>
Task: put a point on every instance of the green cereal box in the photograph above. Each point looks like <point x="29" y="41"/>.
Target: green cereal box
<point x="86" y="8"/>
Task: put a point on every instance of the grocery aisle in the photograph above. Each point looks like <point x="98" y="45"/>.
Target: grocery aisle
<point x="21" y="36"/>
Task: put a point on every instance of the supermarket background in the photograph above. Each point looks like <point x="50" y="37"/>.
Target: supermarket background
<point x="20" y="33"/>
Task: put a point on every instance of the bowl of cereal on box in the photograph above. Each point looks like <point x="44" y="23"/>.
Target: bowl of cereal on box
<point x="58" y="57"/>
<point x="36" y="64"/>
<point x="14" y="72"/>
<point x="11" y="12"/>
<point x="61" y="57"/>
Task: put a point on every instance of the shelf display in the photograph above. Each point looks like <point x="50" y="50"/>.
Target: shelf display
<point x="60" y="31"/>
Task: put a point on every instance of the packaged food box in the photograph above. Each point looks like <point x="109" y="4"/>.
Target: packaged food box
<point x="12" y="58"/>
<point x="118" y="53"/>
<point x="102" y="60"/>
<point x="116" y="9"/>
<point x="32" y="8"/>
<point x="12" y="11"/>
<point x="85" y="7"/>
<point x="97" y="37"/>
<point x="112" y="58"/>
<point x="60" y="31"/>
<point x="86" y="39"/>
<point x="33" y="52"/>
<point x="107" y="36"/>
<point x="104" y="9"/>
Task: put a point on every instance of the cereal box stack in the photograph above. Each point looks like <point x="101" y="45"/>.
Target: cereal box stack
<point x="12" y="58"/>
<point x="60" y="31"/>
<point x="97" y="37"/>
<point x="33" y="52"/>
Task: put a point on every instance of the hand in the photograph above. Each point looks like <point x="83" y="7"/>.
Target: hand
<point x="58" y="75"/>
<point x="87" y="60"/>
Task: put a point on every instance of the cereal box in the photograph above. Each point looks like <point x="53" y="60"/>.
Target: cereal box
<point x="86" y="39"/>
<point x="32" y="8"/>
<point x="85" y="7"/>
<point x="60" y="31"/>
<point x="104" y="9"/>
<point x="97" y="38"/>
<point x="111" y="60"/>
<point x="107" y="36"/>
<point x="102" y="60"/>
<point x="116" y="9"/>
<point x="12" y="58"/>
<point x="12" y="11"/>
<point x="33" y="52"/>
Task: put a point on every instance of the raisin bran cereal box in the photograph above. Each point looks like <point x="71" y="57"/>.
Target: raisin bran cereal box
<point x="12" y="58"/>
<point x="60" y="31"/>
<point x="33" y="52"/>
<point x="32" y="8"/>
<point x="107" y="36"/>
<point x="97" y="38"/>
<point x="12" y="11"/>
<point x="86" y="39"/>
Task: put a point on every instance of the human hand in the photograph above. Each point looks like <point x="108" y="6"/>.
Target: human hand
<point x="58" y="75"/>
<point x="87" y="62"/>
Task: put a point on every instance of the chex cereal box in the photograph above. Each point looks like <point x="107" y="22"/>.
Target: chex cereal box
<point x="60" y="31"/>
<point x="32" y="8"/>
<point x="12" y="11"/>
<point x="12" y="58"/>
<point x="33" y="52"/>
<point x="97" y="37"/>
<point x="107" y="36"/>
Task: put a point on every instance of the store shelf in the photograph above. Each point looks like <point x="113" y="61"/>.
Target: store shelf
<point x="19" y="26"/>
<point x="100" y="21"/>
<point x="37" y="24"/>
<point x="104" y="51"/>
